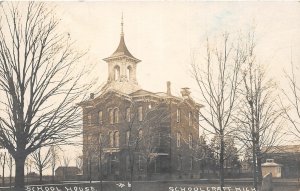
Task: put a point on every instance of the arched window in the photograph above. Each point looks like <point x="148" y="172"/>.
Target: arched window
<point x="191" y="163"/>
<point x="111" y="116"/>
<point x="116" y="139"/>
<point x="117" y="72"/>
<point x="140" y="134"/>
<point x="140" y="113"/>
<point x="116" y="115"/>
<point x="129" y="73"/>
<point x="127" y="138"/>
<point x="100" y="139"/>
<point x="128" y="114"/>
<point x="90" y="119"/>
<point x="179" y="161"/>
<point x="178" y="139"/>
<point x="190" y="141"/>
<point x="100" y="117"/>
<point x="178" y="113"/>
<point x="111" y="139"/>
<point x="190" y="118"/>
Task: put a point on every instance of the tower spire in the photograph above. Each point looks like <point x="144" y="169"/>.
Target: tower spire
<point x="122" y="24"/>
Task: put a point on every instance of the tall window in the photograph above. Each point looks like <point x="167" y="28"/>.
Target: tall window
<point x="159" y="139"/>
<point x="127" y="137"/>
<point x="191" y="163"/>
<point x="100" y="139"/>
<point x="128" y="114"/>
<point x="179" y="161"/>
<point x="117" y="72"/>
<point x="129" y="71"/>
<point x="90" y="119"/>
<point x="111" y="116"/>
<point x="140" y="162"/>
<point x="116" y="139"/>
<point x="178" y="139"/>
<point x="127" y="162"/>
<point x="178" y="113"/>
<point x="111" y="139"/>
<point x="100" y="117"/>
<point x="140" y="113"/>
<point x="190" y="118"/>
<point x="190" y="141"/>
<point x="140" y="134"/>
<point x="116" y="115"/>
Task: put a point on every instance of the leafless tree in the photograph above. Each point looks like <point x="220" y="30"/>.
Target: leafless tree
<point x="260" y="118"/>
<point x="10" y="165"/>
<point x="41" y="161"/>
<point x="3" y="159"/>
<point x="218" y="79"/>
<point x="39" y="82"/>
<point x="54" y="159"/>
<point x="79" y="161"/>
<point x="292" y="94"/>
<point x="141" y="138"/>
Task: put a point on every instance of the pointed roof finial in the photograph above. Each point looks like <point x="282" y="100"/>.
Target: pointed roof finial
<point x="122" y="23"/>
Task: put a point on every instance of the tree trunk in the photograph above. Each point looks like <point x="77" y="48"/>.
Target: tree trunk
<point x="254" y="166"/>
<point x="3" y="167"/>
<point x="221" y="160"/>
<point x="41" y="175"/>
<point x="19" y="177"/>
<point x="259" y="172"/>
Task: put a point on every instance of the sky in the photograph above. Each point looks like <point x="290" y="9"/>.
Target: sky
<point x="165" y="34"/>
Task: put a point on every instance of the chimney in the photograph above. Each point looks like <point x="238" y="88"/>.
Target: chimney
<point x="92" y="95"/>
<point x="185" y="92"/>
<point x="168" y="88"/>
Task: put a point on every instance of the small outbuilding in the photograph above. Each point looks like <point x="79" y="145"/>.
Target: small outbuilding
<point x="271" y="167"/>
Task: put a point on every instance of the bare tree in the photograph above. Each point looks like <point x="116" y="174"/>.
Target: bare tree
<point x="10" y="165"/>
<point x="218" y="80"/>
<point x="260" y="118"/>
<point x="2" y="163"/>
<point x="54" y="159"/>
<point x="39" y="82"/>
<point x="292" y="95"/>
<point x="41" y="161"/>
<point x="79" y="162"/>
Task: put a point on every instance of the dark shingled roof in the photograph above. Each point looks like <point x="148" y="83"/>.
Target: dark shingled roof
<point x="122" y="49"/>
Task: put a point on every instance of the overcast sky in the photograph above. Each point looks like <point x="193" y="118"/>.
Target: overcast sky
<point x="165" y="34"/>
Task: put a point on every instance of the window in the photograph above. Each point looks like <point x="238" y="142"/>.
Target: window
<point x="127" y="162"/>
<point x="140" y="134"/>
<point x="128" y="114"/>
<point x="116" y="139"/>
<point x="111" y="139"/>
<point x="178" y="115"/>
<point x="127" y="138"/>
<point x="178" y="139"/>
<point x="117" y="72"/>
<point x="140" y="113"/>
<point x="111" y="116"/>
<point x="129" y="75"/>
<point x="191" y="163"/>
<point x="90" y="119"/>
<point x="179" y="161"/>
<point x="190" y="118"/>
<point x="116" y="115"/>
<point x="100" y="139"/>
<point x="100" y="117"/>
<point x="190" y="141"/>
<point x="159" y="139"/>
<point x="140" y="163"/>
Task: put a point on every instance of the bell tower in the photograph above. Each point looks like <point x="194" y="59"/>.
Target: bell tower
<point x="122" y="68"/>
